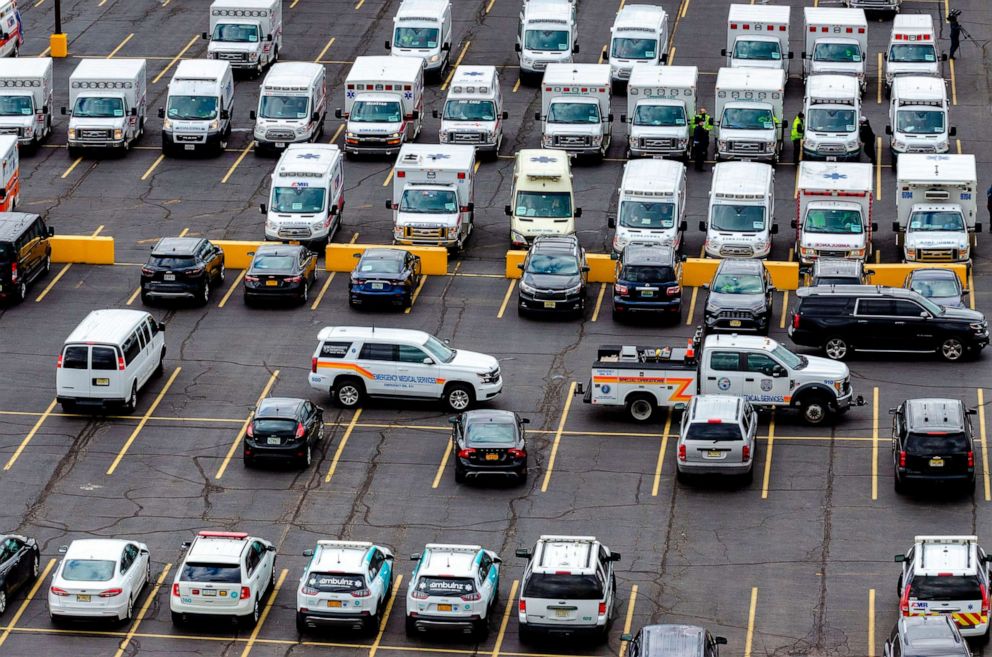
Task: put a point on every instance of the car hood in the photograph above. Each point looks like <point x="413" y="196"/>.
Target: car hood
<point x="473" y="361"/>
<point x="963" y="315"/>
<point x="948" y="302"/>
<point x="718" y="301"/>
<point x="425" y="220"/>
<point x="824" y="368"/>
<point x="551" y="281"/>
<point x="589" y="129"/>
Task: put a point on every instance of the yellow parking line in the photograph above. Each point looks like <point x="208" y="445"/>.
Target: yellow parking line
<point x="154" y="166"/>
<point x="56" y="279"/>
<point x="27" y="600"/>
<point x="385" y="614"/>
<point x="878" y="168"/>
<point x="458" y="62"/>
<point x="671" y="55"/>
<point x="324" y="51"/>
<point x="244" y="425"/>
<point x="749" y="638"/>
<point x="685" y="9"/>
<point x="44" y="53"/>
<point x="330" y="277"/>
<point x="175" y="59"/>
<point x="234" y="286"/>
<point x="120" y="45"/>
<point x="881" y="77"/>
<point x="337" y="133"/>
<point x="144" y="610"/>
<point x="340" y="449"/>
<point x="785" y="308"/>
<point x="490" y="6"/>
<point x="954" y="84"/>
<point x="629" y="619"/>
<point x="39" y="3"/>
<point x="985" y="445"/>
<point x="443" y="465"/>
<point x="293" y="4"/>
<point x="971" y="288"/>
<point x="359" y="5"/>
<point x="516" y="85"/>
<point x="134" y="295"/>
<point x="48" y="411"/>
<point x="237" y="162"/>
<point x="661" y="452"/>
<point x="871" y="623"/>
<point x="692" y="306"/>
<point x="506" y="298"/>
<point x="72" y="166"/>
<point x="601" y="51"/>
<point x="389" y="178"/>
<point x="510" y="605"/>
<point x="416" y="293"/>
<point x="599" y="301"/>
<point x="143" y="422"/>
<point x="766" y="475"/>
<point x="561" y="427"/>
<point x="959" y="146"/>
<point x="265" y="613"/>
<point x="874" y="443"/>
<point x="478" y="162"/>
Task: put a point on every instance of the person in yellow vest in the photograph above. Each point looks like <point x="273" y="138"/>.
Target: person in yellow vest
<point x="798" y="131"/>
<point x="703" y="116"/>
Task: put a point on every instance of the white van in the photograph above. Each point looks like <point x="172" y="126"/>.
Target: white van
<point x="108" y="358"/>
<point x="912" y="48"/>
<point x="26" y="103"/>
<point x="422" y="28"/>
<point x="832" y="107"/>
<point x="652" y="204"/>
<point x="918" y="116"/>
<point x="246" y="33"/>
<point x="542" y="201"/>
<point x="473" y="112"/>
<point x="547" y="34"/>
<point x="307" y="195"/>
<point x="292" y="105"/>
<point x="639" y="35"/>
<point x="198" y="110"/>
<point x="741" y="211"/>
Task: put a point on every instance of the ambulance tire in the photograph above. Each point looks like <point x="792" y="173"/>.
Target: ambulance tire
<point x="457" y="397"/>
<point x="815" y="408"/>
<point x="641" y="407"/>
<point x="348" y="392"/>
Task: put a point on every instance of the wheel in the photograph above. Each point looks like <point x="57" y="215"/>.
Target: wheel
<point x="522" y="475"/>
<point x="952" y="350"/>
<point x="308" y="457"/>
<point x="205" y="294"/>
<point x="248" y="461"/>
<point x="68" y="407"/>
<point x="411" y="627"/>
<point x="983" y="639"/>
<point x="481" y="630"/>
<point x="177" y="619"/>
<point x="458" y="397"/>
<point x="74" y="152"/>
<point x="129" y="612"/>
<point x="748" y="477"/>
<point x="459" y="475"/>
<point x="372" y="624"/>
<point x="815" y="409"/>
<point x="3" y="602"/>
<point x="272" y="579"/>
<point x="35" y="566"/>
<point x="349" y="392"/>
<point x="306" y="293"/>
<point x="301" y="624"/>
<point x="900" y="488"/>
<point x="640" y="407"/>
<point x="222" y="274"/>
<point x="160" y="369"/>
<point x="132" y="400"/>
<point x="681" y="476"/>
<point x="524" y="634"/>
<point x="48" y="265"/>
<point x="836" y="348"/>
<point x="251" y="620"/>
<point x="22" y="292"/>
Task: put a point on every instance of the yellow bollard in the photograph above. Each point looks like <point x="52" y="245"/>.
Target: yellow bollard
<point x="59" y="44"/>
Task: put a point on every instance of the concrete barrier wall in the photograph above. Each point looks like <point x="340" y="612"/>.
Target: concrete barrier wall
<point x="82" y="249"/>
<point x="894" y="275"/>
<point x="237" y="253"/>
<point x="341" y="257"/>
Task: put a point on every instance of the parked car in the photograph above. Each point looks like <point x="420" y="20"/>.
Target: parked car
<point x="99" y="578"/>
<point x="489" y="443"/>
<point x="673" y="641"/>
<point x="740" y="297"/>
<point x="283" y="429"/>
<point x="933" y="443"/>
<point x="182" y="268"/>
<point x="280" y="271"/>
<point x="942" y="286"/>
<point x="647" y="281"/>
<point x="554" y="277"/>
<point x="20" y="559"/>
<point x="25" y="253"/>
<point x="384" y="276"/>
<point x="926" y="636"/>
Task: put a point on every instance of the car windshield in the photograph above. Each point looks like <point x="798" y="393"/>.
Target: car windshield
<point x="440" y="351"/>
<point x="16" y="106"/>
<point x="221" y="573"/>
<point x="713" y="431"/>
<point x="844" y="222"/>
<point x="274" y="263"/>
<point x="192" y="108"/>
<point x="415" y="37"/>
<point x="647" y="274"/>
<point x="445" y="586"/>
<point x="625" y="48"/>
<point x="429" y="201"/>
<point x="945" y="588"/>
<point x="837" y="52"/>
<point x="549" y="205"/>
<point x="553" y="265"/>
<point x="737" y="284"/>
<point x="563" y="587"/>
<point x="920" y="122"/>
<point x="936" y="220"/>
<point x="747" y="118"/>
<point x="274" y="427"/>
<point x="737" y="218"/>
<point x="376" y="111"/>
<point x="335" y="582"/>
<point x="88" y="570"/>
<point x="234" y="33"/>
<point x="566" y="112"/>
<point x="549" y="40"/>
<point x="283" y="107"/>
<point x="760" y="50"/>
<point x="380" y="266"/>
<point x="935" y="287"/>
<point x="659" y="115"/>
<point x="470" y="110"/>
<point x="789" y="359"/>
<point x="831" y="120"/>
<point x="647" y="214"/>
<point x="937" y="443"/>
<point x="910" y="53"/>
<point x="496" y="433"/>
<point x="95" y="107"/>
<point x="305" y="200"/>
<point x="838" y="280"/>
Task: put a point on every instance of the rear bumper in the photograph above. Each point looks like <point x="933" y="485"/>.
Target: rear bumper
<point x="280" y="453"/>
<point x="397" y="297"/>
<point x="626" y="305"/>
<point x="441" y="624"/>
<point x="562" y="630"/>
<point x="317" y="619"/>
<point x="58" y="607"/>
<point x="93" y="403"/>
<point x="171" y="291"/>
<point x="724" y="468"/>
<point x="936" y="478"/>
<point x="473" y="470"/>
<point x="274" y="292"/>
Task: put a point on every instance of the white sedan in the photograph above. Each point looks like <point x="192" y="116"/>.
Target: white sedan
<point x="99" y="578"/>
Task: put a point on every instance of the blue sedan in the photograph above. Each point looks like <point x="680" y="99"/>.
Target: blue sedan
<point x="385" y="277"/>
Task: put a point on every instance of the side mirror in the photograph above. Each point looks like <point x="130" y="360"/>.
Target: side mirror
<point x="308" y="552"/>
<point x="899" y="558"/>
<point x="664" y="58"/>
<point x="523" y="553"/>
<point x="268" y="37"/>
<point x="252" y="115"/>
<point x="888" y="130"/>
<point x="64" y="111"/>
<point x="803" y="54"/>
<point x="575" y="49"/>
<point x="505" y="115"/>
<point x="585" y="269"/>
<point x="507" y="210"/>
<point x="161" y="326"/>
<point x="628" y="637"/>
<point x="895" y="226"/>
<point x="134" y="112"/>
<point x="792" y="55"/>
<point x="497" y="560"/>
<point x="943" y="57"/>
<point x="924" y="314"/>
<point x="525" y="420"/>
<point x="614" y="556"/>
<point x="468" y="208"/>
<point x="611" y="222"/>
<point x="978" y="228"/>
<point x="609" y="118"/>
<point x="605" y="53"/>
<point x="204" y="36"/>
<point x="434" y="113"/>
<point x="793" y="224"/>
<point x="974" y="411"/>
<point x="415" y="556"/>
<point x="357" y="255"/>
<point x="315" y="117"/>
<point x="263" y="208"/>
<point x="333" y="211"/>
<point x="623" y="118"/>
<point x="721" y="640"/>
<point x="705" y="286"/>
<point x="580" y="389"/>
<point x="953" y="131"/>
<point x="723" y="52"/>
<point x="337" y="113"/>
<point x="453" y="420"/>
<point x="225" y="114"/>
<point x="516" y="47"/>
<point x="270" y="548"/>
<point x="389" y="205"/>
<point x="428" y="361"/>
<point x="683" y="226"/>
<point x="415" y="114"/>
<point x="446" y="47"/>
<point x="51" y="231"/>
<point x="702" y="226"/>
<point x="388" y="45"/>
<point x="537" y="116"/>
<point x="520" y="266"/>
<point x="577" y="213"/>
<point x="774" y="229"/>
<point x="44" y="109"/>
<point x="161" y="112"/>
<point x="893" y="411"/>
<point x="63" y="549"/>
<point x="874" y="225"/>
<point x="184" y="545"/>
<point x="3" y="194"/>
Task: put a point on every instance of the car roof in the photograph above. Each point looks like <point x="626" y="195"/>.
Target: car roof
<point x="108" y="326"/>
<point x="935" y="414"/>
<point x="740" y="266"/>
<point x="837" y="267"/>
<point x="489" y="415"/>
<point x="933" y="272"/>
<point x="179" y="246"/>
<point x="734" y="340"/>
<point x="384" y="254"/>
<point x="340" y="556"/>
<point x="279" y="249"/>
<point x="954" y="555"/>
<point x="648" y="254"/>
<point x="929" y="635"/>
<point x="224" y="549"/>
<point x="279" y="407"/>
<point x="369" y="332"/>
<point x="670" y="639"/>
<point x="556" y="554"/>
<point x="448" y="560"/>
<point x="95" y="548"/>
<point x="12" y="224"/>
<point x="857" y="291"/>
<point x="555" y="243"/>
<point x="715" y="407"/>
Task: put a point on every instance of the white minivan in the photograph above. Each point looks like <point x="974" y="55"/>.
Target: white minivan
<point x="108" y="358"/>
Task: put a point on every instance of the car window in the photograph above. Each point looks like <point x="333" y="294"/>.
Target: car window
<point x="446" y="586"/>
<point x="761" y="363"/>
<point x="221" y="573"/>
<point x="127" y="557"/>
<point x="875" y="307"/>
<point x="146" y="333"/>
<point x="152" y="326"/>
<point x="945" y="588"/>
<point x="251" y="561"/>
<point x="376" y="351"/>
<point x="334" y="349"/>
<point x="75" y="358"/>
<point x="335" y="582"/>
<point x="408" y="354"/>
<point x="725" y="361"/>
<point x="132" y="347"/>
<point x="564" y="587"/>
<point x="104" y="358"/>
<point x="906" y="309"/>
<point x="88" y="570"/>
<point x="7" y="552"/>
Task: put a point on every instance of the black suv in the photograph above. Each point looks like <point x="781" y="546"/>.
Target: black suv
<point x="25" y="253"/>
<point x="932" y="440"/>
<point x="926" y="636"/>
<point x="283" y="429"/>
<point x="846" y="318"/>
<point x="673" y="641"/>
<point x="739" y="298"/>
<point x="647" y="281"/>
<point x="554" y="277"/>
<point x="182" y="268"/>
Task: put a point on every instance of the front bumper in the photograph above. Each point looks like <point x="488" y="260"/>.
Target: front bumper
<point x="531" y="304"/>
<point x="447" y="242"/>
<point x="488" y="390"/>
<point x="192" y="142"/>
<point x="756" y="323"/>
<point x="110" y="143"/>
<point x="372" y="146"/>
<point x="845" y="156"/>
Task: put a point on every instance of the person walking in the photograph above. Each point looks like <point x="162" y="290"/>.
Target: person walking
<point x="798" y="132"/>
<point x="952" y="18"/>
<point x="700" y="144"/>
<point x="867" y="139"/>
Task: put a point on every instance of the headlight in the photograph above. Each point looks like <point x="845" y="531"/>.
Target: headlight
<point x="395" y="135"/>
<point x="28" y="131"/>
<point x="574" y="290"/>
<point x="72" y="133"/>
<point x="444" y="137"/>
<point x="619" y="243"/>
<point x="252" y="56"/>
<point x="722" y="144"/>
<point x="302" y="130"/>
<point x="398" y="232"/>
<point x="839" y="386"/>
<point x="317" y="225"/>
<point x="435" y="58"/>
<point x="350" y="135"/>
<point x="166" y="124"/>
<point x="118" y="134"/>
<point x="978" y="326"/>
<point x="910" y="254"/>
<point x="527" y="289"/>
<point x="898" y="145"/>
<point x="683" y="143"/>
<point x="856" y="253"/>
<point x="490" y="135"/>
<point x="271" y="225"/>
<point x="214" y="125"/>
<point x="942" y="146"/>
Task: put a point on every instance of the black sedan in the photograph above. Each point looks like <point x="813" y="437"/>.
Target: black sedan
<point x="739" y="298"/>
<point x="19" y="562"/>
<point x="283" y="429"/>
<point x="384" y="276"/>
<point x="280" y="271"/>
<point x="489" y="443"/>
<point x="182" y="268"/>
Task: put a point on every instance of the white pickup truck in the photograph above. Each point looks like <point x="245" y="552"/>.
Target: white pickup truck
<point x="759" y="369"/>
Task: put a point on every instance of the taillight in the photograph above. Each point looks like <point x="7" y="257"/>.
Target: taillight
<point x="13" y="272"/>
<point x="902" y="458"/>
<point x="602" y="608"/>
<point x="250" y="431"/>
<point x="245" y="592"/>
<point x="58" y="363"/>
<point x="904" y="601"/>
<point x="293" y="279"/>
<point x="175" y="590"/>
<point x="745" y="453"/>
<point x="523" y="606"/>
<point x="517" y="453"/>
<point x="419" y="595"/>
<point x="361" y="593"/>
<point x="147" y="271"/>
<point x="59" y="592"/>
<point x="985" y="598"/>
<point x="195" y="271"/>
<point x="111" y="593"/>
<point x="306" y="590"/>
<point x="120" y="363"/>
<point x="971" y="459"/>
<point x="681" y="452"/>
<point x="359" y="281"/>
<point x="300" y="430"/>
<point x="795" y="320"/>
<point x="622" y="290"/>
<point x="313" y="365"/>
<point x="471" y="597"/>
<point x="465" y="453"/>
<point x="251" y="279"/>
<point x="672" y="291"/>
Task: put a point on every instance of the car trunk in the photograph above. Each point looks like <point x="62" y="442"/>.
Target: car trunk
<point x="211" y="584"/>
<point x="563" y="598"/>
<point x="714" y="443"/>
<point x="335" y="591"/>
<point x="446" y="595"/>
<point x="945" y="594"/>
<point x="938" y="453"/>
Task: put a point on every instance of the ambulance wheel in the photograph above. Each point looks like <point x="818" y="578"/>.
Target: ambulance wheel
<point x="48" y="265"/>
<point x="74" y="152"/>
<point x="640" y="407"/>
<point x="348" y="392"/>
<point x="457" y="397"/>
<point x="815" y="408"/>
<point x="22" y="292"/>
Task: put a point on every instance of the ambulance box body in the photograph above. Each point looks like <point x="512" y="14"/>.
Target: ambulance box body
<point x="245" y="33"/>
<point x="107" y="103"/>
<point x="26" y="97"/>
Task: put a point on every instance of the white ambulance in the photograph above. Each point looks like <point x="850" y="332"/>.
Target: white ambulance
<point x="383" y="103"/>
<point x="292" y="105"/>
<point x="246" y="33"/>
<point x="639" y="35"/>
<point x="912" y="48"/>
<point x="758" y="36"/>
<point x="473" y="112"/>
<point x="834" y="211"/>
<point x="11" y="29"/>
<point x="652" y="203"/>
<point x="26" y="98"/>
<point x="10" y="174"/>
<point x="541" y="199"/>
<point x="307" y="195"/>
<point x="422" y="29"/>
<point x="741" y="211"/>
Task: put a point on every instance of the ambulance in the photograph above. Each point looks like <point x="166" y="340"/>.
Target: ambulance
<point x="11" y="29"/>
<point x="10" y="193"/>
<point x="307" y="195"/>
<point x="912" y="48"/>
<point x="292" y="105"/>
<point x="246" y="33"/>
<point x="758" y="36"/>
<point x="541" y="200"/>
<point x="26" y="98"/>
<point x="473" y="112"/>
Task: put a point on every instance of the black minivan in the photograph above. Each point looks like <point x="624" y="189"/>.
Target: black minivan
<point x="25" y="253"/>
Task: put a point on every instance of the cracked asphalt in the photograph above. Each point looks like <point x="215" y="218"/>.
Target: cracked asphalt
<point x="808" y="542"/>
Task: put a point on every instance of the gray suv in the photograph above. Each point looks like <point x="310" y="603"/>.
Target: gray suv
<point x="717" y="436"/>
<point x="739" y="298"/>
<point x="925" y="636"/>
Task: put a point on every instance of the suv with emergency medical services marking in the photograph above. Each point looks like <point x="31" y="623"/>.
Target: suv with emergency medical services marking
<point x="345" y="585"/>
<point x="453" y="588"/>
<point x="947" y="575"/>
<point x="223" y="574"/>
<point x="569" y="588"/>
<point x="352" y="362"/>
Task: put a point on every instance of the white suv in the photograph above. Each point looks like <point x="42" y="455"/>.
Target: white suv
<point x="223" y="574"/>
<point x="453" y="588"/>
<point x="345" y="584"/>
<point x="569" y="588"/>
<point x="717" y="436"/>
<point x="353" y="362"/>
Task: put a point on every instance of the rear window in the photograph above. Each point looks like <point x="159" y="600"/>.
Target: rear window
<point x="335" y="583"/>
<point x="564" y="587"/>
<point x="824" y="305"/>
<point x="173" y="262"/>
<point x="334" y="349"/>
<point x="502" y="433"/>
<point x="445" y="586"/>
<point x="224" y="573"/>
<point x="273" y="427"/>
<point x="104" y="358"/>
<point x="937" y="443"/>
<point x="74" y="358"/>
<point x="947" y="588"/>
<point x="707" y="431"/>
<point x="648" y="274"/>
<point x="88" y="570"/>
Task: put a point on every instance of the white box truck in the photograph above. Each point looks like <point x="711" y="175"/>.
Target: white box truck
<point x="836" y="42"/>
<point x="936" y="207"/>
<point x="11" y="29"/>
<point x="245" y="33"/>
<point x="758" y="36"/>
<point x="875" y="5"/>
<point x="834" y="211"/>
<point x="199" y="107"/>
<point x="292" y="105"/>
<point x="651" y="206"/>
<point x="306" y="196"/>
<point x="433" y="200"/>
<point x="107" y="102"/>
<point x="832" y="108"/>
<point x="26" y="97"/>
<point x="912" y="48"/>
<point x="547" y="34"/>
<point x="575" y="108"/>
<point x="749" y="113"/>
<point x="639" y="35"/>
<point x="741" y="211"/>
<point x="542" y="202"/>
<point x="918" y="116"/>
<point x="383" y="103"/>
<point x="473" y="112"/>
<point x="661" y="101"/>
<point x="422" y="29"/>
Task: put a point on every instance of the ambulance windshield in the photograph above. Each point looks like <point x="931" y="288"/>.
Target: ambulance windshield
<point x="283" y="107"/>
<point x="192" y="108"/>
<point x="842" y="222"/>
<point x="837" y="52"/>
<point x="470" y="110"/>
<point x="235" y="33"/>
<point x="550" y="205"/>
<point x="305" y="200"/>
<point x="737" y="218"/>
<point x="547" y="40"/>
<point x="16" y="106"/>
<point x="429" y="201"/>
<point x="758" y="50"/>
<point x="624" y="48"/>
<point x="98" y="108"/>
<point x="912" y="53"/>
<point x="747" y="118"/>
<point x="660" y="115"/>
<point x="831" y="120"/>
<point x="920" y="122"/>
<point x="566" y="112"/>
<point x="937" y="220"/>
<point x="647" y="214"/>
<point x="376" y="111"/>
<point x="416" y="37"/>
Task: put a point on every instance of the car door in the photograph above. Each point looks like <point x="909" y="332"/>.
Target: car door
<point x="379" y="359"/>
<point x="134" y="362"/>
<point x="913" y="322"/>
<point x="898" y="433"/>
<point x="9" y="573"/>
<point x="73" y="377"/>
<point x="874" y="328"/>
<point x="606" y="564"/>
<point x="725" y="373"/>
<point x="418" y="372"/>
<point x="766" y="381"/>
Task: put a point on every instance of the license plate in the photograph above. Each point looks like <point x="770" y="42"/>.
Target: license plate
<point x="334" y="603"/>
<point x="647" y="293"/>
<point x="561" y="613"/>
<point x="273" y="441"/>
<point x="549" y="304"/>
<point x="735" y="323"/>
<point x="101" y="382"/>
<point x="936" y="462"/>
<point x="168" y="277"/>
<point x="714" y="453"/>
<point x="280" y="144"/>
<point x="208" y="593"/>
<point x="83" y="597"/>
<point x="189" y="147"/>
<point x="294" y="242"/>
<point x="377" y="286"/>
<point x="444" y="607"/>
<point x="492" y="457"/>
<point x="272" y="283"/>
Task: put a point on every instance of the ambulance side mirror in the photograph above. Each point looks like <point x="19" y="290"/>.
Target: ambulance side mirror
<point x="609" y="117"/>
<point x="895" y="226"/>
<point x="575" y="49"/>
<point x="874" y="225"/>
<point x="333" y="211"/>
<point x="315" y="117"/>
<point x="389" y="205"/>
<point x="664" y="58"/>
<point x="45" y="109"/>
<point x="134" y="111"/>
<point x="803" y="54"/>
<point x="268" y="37"/>
<point x="225" y="115"/>
<point x="537" y="116"/>
<point x="702" y="226"/>
<point x="774" y="229"/>
<point x="434" y="113"/>
<point x="684" y="226"/>
<point x="3" y="194"/>
<point x="51" y="232"/>
<point x="416" y="114"/>
<point x="888" y="130"/>
<point x="605" y="53"/>
<point x="507" y="210"/>
<point x="578" y="213"/>
<point x="64" y="111"/>
<point x="793" y="224"/>
<point x="505" y="115"/>
<point x="252" y="115"/>
<point x="263" y="208"/>
<point x="204" y="36"/>
<point x="388" y="45"/>
<point x="723" y="52"/>
<point x="161" y="112"/>
<point x="446" y="47"/>
<point x="943" y="57"/>
<point x="978" y="228"/>
<point x="899" y="558"/>
<point x="792" y="55"/>
<point x="516" y="47"/>
<point x="611" y="222"/>
<point x="337" y="113"/>
<point x="953" y="131"/>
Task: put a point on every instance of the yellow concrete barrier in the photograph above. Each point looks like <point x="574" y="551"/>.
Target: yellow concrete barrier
<point x="341" y="257"/>
<point x="699" y="271"/>
<point x="602" y="268"/>
<point x="514" y="258"/>
<point x="237" y="253"/>
<point x="83" y="249"/>
<point x="894" y="275"/>
<point x="785" y="275"/>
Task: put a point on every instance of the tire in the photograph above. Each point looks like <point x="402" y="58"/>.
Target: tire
<point x="251" y="620"/>
<point x="35" y="566"/>
<point x="411" y="627"/>
<point x="129" y="611"/>
<point x="458" y="397"/>
<point x="22" y="292"/>
<point x="481" y="630"/>
<point x="640" y="407"/>
<point x="681" y="477"/>
<point x="372" y="624"/>
<point x="459" y="475"/>
<point x="74" y="152"/>
<point x="3" y="601"/>
<point x="748" y="477"/>
<point x="522" y="476"/>
<point x="900" y="488"/>
<point x="305" y="294"/>
<point x="349" y="392"/>
<point x="301" y="625"/>
<point x="272" y="579"/>
<point x="132" y="402"/>
<point x="836" y="348"/>
<point x="815" y="409"/>
<point x="204" y="294"/>
<point x="952" y="350"/>
<point x="157" y="374"/>
<point x="307" y="458"/>
<point x="524" y="634"/>
<point x="178" y="620"/>
<point x="248" y="461"/>
<point x="145" y="299"/>
<point x="47" y="269"/>
<point x="68" y="407"/>
<point x="222" y="275"/>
